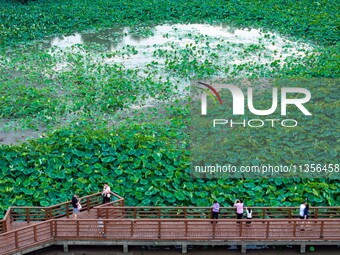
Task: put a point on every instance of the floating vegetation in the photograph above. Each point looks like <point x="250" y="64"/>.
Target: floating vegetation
<point x="109" y="98"/>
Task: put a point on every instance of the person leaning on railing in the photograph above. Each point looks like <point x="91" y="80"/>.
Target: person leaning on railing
<point x="239" y="208"/>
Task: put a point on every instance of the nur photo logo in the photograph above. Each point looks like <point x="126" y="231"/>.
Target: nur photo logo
<point x="280" y="99"/>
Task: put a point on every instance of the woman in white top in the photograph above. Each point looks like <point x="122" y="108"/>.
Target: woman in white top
<point x="249" y="212"/>
<point x="106" y="193"/>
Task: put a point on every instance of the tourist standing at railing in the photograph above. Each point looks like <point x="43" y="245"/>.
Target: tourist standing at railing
<point x="75" y="204"/>
<point x="249" y="212"/>
<point x="215" y="210"/>
<point x="239" y="208"/>
<point x="302" y="210"/>
<point x="106" y="193"/>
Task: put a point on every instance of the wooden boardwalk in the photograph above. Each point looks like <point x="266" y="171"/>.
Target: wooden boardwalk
<point x="28" y="229"/>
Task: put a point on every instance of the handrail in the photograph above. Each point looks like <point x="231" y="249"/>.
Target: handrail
<point x="205" y="212"/>
<point x="168" y="229"/>
<point x="116" y="209"/>
<point x="101" y="210"/>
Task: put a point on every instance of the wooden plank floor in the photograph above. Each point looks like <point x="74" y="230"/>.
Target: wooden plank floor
<point x="21" y="224"/>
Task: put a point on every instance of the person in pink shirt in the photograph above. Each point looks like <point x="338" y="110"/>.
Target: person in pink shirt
<point x="239" y="208"/>
<point x="215" y="209"/>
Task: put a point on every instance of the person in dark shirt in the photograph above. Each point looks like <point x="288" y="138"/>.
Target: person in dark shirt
<point x="75" y="203"/>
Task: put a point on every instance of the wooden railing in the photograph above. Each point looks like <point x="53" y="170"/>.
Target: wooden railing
<point x="104" y="210"/>
<point x="109" y="212"/>
<point x="169" y="229"/>
<point x="37" y="214"/>
<point x="4" y="223"/>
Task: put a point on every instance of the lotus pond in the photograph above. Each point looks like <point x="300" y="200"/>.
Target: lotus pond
<point x="111" y="105"/>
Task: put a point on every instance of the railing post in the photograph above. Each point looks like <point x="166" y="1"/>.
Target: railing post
<point x="35" y="233"/>
<point x="263" y="213"/>
<point x="159" y="229"/>
<point x="16" y="239"/>
<point x="316" y="212"/>
<point x="321" y="229"/>
<point x="241" y="228"/>
<point x="77" y="222"/>
<point x="134" y="213"/>
<point x="55" y="228"/>
<point x="46" y="214"/>
<point x="290" y="213"/>
<point x="159" y="213"/>
<point x="51" y="228"/>
<point x="214" y="228"/>
<point x="185" y="212"/>
<point x="267" y="229"/>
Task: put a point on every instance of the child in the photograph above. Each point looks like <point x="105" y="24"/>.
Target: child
<point x="249" y="212"/>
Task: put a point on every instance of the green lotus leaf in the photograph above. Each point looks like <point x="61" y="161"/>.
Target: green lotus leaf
<point x="21" y="202"/>
<point x="108" y="159"/>
<point x="44" y="203"/>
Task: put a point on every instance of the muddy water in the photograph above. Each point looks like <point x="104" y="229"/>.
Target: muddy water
<point x="118" y="37"/>
<point x="182" y="35"/>
<point x="234" y="47"/>
<point x="224" y="250"/>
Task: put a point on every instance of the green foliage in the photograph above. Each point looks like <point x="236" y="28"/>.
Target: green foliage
<point x="134" y="160"/>
<point x="20" y="101"/>
<point x="144" y="163"/>
<point x="145" y="157"/>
